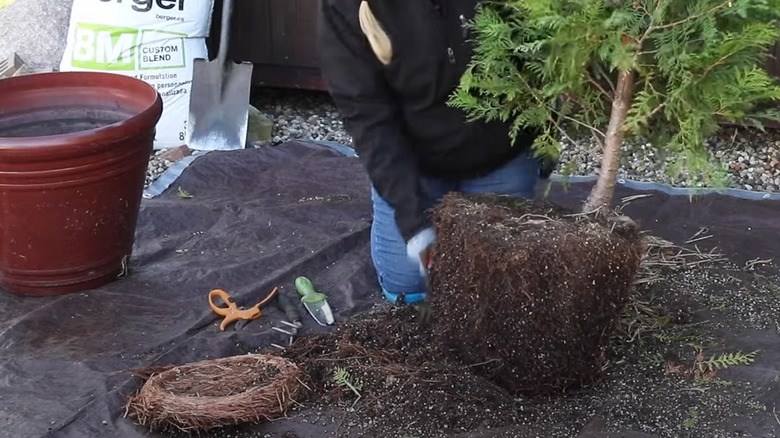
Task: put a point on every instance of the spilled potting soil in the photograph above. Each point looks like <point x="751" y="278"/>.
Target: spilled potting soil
<point x="675" y="367"/>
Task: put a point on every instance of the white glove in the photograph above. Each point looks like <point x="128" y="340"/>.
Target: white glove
<point x="419" y="245"/>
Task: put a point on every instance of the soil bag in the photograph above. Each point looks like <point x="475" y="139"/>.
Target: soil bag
<point x="153" y="40"/>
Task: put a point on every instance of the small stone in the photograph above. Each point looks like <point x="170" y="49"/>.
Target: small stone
<point x="259" y="128"/>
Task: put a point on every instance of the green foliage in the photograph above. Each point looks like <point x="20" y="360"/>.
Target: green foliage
<point x="640" y="318"/>
<point x="758" y="406"/>
<point x="727" y="360"/>
<point x="550" y="66"/>
<point x="183" y="194"/>
<point x="693" y="418"/>
<point x="685" y="336"/>
<point x="652" y="361"/>
<point x="342" y="377"/>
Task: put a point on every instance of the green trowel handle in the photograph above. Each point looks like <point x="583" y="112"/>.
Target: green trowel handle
<point x="306" y="289"/>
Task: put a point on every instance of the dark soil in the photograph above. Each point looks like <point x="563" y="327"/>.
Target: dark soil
<point x="685" y="360"/>
<point x="650" y="387"/>
<point x="403" y="375"/>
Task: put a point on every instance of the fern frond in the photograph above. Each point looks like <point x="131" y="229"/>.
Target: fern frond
<point x="727" y="360"/>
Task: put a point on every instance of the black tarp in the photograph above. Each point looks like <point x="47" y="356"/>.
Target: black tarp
<point x="257" y="218"/>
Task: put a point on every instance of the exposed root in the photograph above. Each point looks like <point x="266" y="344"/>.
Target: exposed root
<point x="662" y="254"/>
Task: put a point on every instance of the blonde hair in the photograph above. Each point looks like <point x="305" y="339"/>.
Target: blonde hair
<point x="377" y="37"/>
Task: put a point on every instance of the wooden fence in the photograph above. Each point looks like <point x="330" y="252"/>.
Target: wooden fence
<point x="774" y="64"/>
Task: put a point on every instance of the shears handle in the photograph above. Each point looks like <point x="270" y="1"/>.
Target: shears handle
<point x="232" y="312"/>
<point x="221" y="310"/>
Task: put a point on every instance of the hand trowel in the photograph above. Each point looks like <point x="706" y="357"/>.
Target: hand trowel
<point x="316" y="303"/>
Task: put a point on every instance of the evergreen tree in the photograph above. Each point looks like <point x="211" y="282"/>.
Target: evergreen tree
<point x="669" y="71"/>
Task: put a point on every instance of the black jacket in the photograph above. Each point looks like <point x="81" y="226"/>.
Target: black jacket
<point x="397" y="114"/>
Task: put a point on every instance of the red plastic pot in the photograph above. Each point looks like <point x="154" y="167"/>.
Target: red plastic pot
<point x="74" y="148"/>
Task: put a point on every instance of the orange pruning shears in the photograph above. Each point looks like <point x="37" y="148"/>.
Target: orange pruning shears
<point x="232" y="312"/>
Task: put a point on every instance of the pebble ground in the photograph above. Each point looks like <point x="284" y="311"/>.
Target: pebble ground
<point x="751" y="156"/>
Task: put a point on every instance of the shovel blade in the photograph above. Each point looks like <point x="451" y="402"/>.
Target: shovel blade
<point x="219" y="105"/>
<point x="321" y="312"/>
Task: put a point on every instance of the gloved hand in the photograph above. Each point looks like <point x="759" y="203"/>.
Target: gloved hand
<point x="420" y="248"/>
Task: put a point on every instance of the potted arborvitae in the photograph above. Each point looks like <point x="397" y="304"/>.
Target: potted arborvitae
<point x="522" y="287"/>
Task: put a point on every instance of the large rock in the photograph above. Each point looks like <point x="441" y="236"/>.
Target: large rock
<point x="36" y="30"/>
<point x="527" y="293"/>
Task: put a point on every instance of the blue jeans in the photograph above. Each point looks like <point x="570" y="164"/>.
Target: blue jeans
<point x="400" y="276"/>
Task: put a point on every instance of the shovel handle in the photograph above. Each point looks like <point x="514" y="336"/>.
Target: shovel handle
<point x="224" y="34"/>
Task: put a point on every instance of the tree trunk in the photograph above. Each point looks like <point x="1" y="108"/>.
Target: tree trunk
<point x="600" y="198"/>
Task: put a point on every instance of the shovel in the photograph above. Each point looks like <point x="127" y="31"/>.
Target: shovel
<point x="12" y="66"/>
<point x="316" y="303"/>
<point x="219" y="100"/>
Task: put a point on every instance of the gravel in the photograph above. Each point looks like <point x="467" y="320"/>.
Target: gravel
<point x="296" y="114"/>
<point x="752" y="157"/>
<point x="302" y="115"/>
<point x="157" y="166"/>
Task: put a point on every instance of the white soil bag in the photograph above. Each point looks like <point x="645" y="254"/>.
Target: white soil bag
<point x="153" y="40"/>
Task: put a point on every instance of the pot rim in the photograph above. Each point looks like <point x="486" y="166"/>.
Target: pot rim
<point x="138" y="123"/>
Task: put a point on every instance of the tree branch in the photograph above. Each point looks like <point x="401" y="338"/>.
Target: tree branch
<point x="599" y="140"/>
<point x="564" y="133"/>
<point x="606" y="77"/>
<point x="641" y="41"/>
<point x="584" y="125"/>
<point x="720" y="61"/>
<point x="692" y="17"/>
<point x="558" y="113"/>
<point x="656" y="110"/>
<point x="597" y="85"/>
